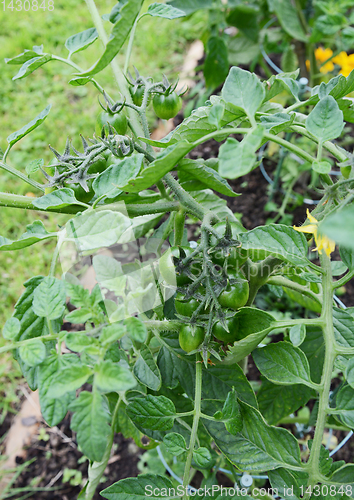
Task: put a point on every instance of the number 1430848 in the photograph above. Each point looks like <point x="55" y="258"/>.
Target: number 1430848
<point x="27" y="5"/>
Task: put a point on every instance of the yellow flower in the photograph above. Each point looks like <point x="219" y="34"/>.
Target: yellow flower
<point x="322" y="242"/>
<point x="322" y="55"/>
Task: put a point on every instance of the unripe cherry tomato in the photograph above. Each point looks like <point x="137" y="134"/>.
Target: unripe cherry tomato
<point x="220" y="333"/>
<point x="185" y="307"/>
<point x="167" y="106"/>
<point x="80" y="193"/>
<point x="235" y="295"/>
<point x="187" y="340"/>
<point x="117" y="120"/>
<point x="98" y="166"/>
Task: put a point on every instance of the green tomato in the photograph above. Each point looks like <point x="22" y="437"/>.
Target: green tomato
<point x="49" y="190"/>
<point x="167" y="268"/>
<point x="230" y="336"/>
<point x="235" y="295"/>
<point x="117" y="120"/>
<point x="167" y="106"/>
<point x="80" y="193"/>
<point x="189" y="338"/>
<point x="98" y="166"/>
<point x="185" y="307"/>
<point x="346" y="171"/>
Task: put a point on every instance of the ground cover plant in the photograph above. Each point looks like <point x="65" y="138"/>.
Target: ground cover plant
<point x="169" y="328"/>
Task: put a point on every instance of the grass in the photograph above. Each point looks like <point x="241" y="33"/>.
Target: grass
<point x="160" y="47"/>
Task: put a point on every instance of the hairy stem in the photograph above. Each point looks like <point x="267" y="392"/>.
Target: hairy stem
<point x="330" y="354"/>
<point x="21" y="176"/>
<point x="196" y="418"/>
<point x="118" y="74"/>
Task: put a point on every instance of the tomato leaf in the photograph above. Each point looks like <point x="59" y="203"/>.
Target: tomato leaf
<point x="153" y="412"/>
<point x="165" y="11"/>
<point x="26" y="129"/>
<point x="81" y="41"/>
<point x="146" y="369"/>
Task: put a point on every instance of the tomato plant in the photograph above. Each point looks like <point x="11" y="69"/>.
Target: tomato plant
<point x="118" y="121"/>
<point x="124" y="368"/>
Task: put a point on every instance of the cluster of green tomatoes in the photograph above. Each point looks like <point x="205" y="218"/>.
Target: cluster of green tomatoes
<point x="233" y="296"/>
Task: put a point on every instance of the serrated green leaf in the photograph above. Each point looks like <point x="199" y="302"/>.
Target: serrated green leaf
<point x="278" y="240"/>
<point x="136" y="329"/>
<point x="112" y="333"/>
<point x="349" y="372"/>
<point x="49" y="298"/>
<point x="54" y="409"/>
<point x="239" y="158"/>
<point x="33" y="166"/>
<point x="284" y="364"/>
<point x="278" y="401"/>
<point x="120" y="32"/>
<point x="325" y="121"/>
<point x="202" y="458"/>
<point x="152" y="412"/>
<point x="258" y="446"/>
<point x="90" y="421"/>
<point x="98" y="229"/>
<point x="110" y="377"/>
<point x="190" y="6"/>
<point x="345" y="403"/>
<point x="77" y="342"/>
<point x="285" y="483"/>
<point x="11" y="329"/>
<point x="146" y="369"/>
<point x="69" y="379"/>
<point x="216" y="64"/>
<point x="175" y="443"/>
<point x="25" y="56"/>
<point x="288" y="18"/>
<point x="231" y="414"/>
<point x="26" y="129"/>
<point x="31" y="65"/>
<point x="79" y="316"/>
<point x="339" y="227"/>
<point x="343" y="324"/>
<point x="59" y="198"/>
<point x="116" y="176"/>
<point x="33" y="353"/>
<point x="297" y="334"/>
<point x="165" y="362"/>
<point x="244" y="90"/>
<point x="254" y="325"/>
<point x="35" y="232"/>
<point x="136" y="488"/>
<point x="81" y="41"/>
<point x="165" y="11"/>
<point x="165" y="161"/>
<point x="209" y="176"/>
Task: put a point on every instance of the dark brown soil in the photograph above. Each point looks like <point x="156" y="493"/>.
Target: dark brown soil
<point x="60" y="451"/>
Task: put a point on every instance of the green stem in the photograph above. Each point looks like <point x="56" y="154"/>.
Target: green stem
<point x="281" y="281"/>
<point x="54" y="261"/>
<point x="25" y="202"/>
<point x="184" y="198"/>
<point x="325" y="386"/>
<point x="130" y="45"/>
<point x="117" y="72"/>
<point x="332" y="148"/>
<point x="96" y="469"/>
<point x="21" y="176"/>
<point x="20" y="343"/>
<point x="344" y="280"/>
<point x="196" y="418"/>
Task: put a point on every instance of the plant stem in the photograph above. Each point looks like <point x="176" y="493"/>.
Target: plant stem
<point x="130" y="45"/>
<point x="332" y="148"/>
<point x="282" y="281"/>
<point x="118" y="74"/>
<point x="179" y="227"/>
<point x="21" y="176"/>
<point x="96" y="469"/>
<point x="344" y="280"/>
<point x="184" y="198"/>
<point x="25" y="202"/>
<point x="330" y="355"/>
<point x="197" y="413"/>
